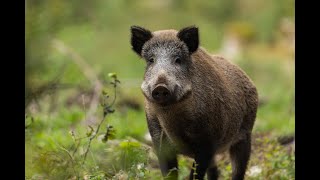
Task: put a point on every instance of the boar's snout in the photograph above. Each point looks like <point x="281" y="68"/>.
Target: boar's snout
<point x="161" y="94"/>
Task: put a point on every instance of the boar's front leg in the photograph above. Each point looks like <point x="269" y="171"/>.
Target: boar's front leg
<point x="167" y="155"/>
<point x="202" y="158"/>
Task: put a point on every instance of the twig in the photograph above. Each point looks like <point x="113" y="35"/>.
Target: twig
<point x="90" y="140"/>
<point x="65" y="150"/>
<point x="115" y="95"/>
<point x="76" y="147"/>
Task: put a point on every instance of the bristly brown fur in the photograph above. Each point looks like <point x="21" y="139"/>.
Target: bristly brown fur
<point x="217" y="115"/>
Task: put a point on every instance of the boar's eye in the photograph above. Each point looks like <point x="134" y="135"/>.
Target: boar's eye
<point x="178" y="60"/>
<point x="150" y="60"/>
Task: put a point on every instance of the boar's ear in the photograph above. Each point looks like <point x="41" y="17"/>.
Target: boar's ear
<point x="139" y="36"/>
<point x="189" y="35"/>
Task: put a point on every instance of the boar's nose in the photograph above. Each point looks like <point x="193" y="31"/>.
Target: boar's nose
<point x="161" y="93"/>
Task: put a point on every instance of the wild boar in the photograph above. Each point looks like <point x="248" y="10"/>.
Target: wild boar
<point x="196" y="104"/>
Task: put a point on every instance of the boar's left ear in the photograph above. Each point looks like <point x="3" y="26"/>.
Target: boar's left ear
<point x="139" y="36"/>
<point x="190" y="36"/>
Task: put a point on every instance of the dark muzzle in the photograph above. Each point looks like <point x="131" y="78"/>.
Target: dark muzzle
<point x="161" y="93"/>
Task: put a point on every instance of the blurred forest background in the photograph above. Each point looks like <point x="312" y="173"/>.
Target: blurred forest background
<point x="71" y="131"/>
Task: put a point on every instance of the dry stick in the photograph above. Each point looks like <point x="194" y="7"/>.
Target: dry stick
<point x="87" y="71"/>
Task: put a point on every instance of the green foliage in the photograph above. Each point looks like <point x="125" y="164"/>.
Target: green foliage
<point x="278" y="161"/>
<point x="280" y="164"/>
<point x="57" y="161"/>
<point x="131" y="154"/>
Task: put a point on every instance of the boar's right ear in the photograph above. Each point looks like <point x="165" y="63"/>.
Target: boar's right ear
<point x="139" y="36"/>
<point x="190" y="36"/>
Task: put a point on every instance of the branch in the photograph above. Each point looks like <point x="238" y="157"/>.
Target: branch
<point x="90" y="140"/>
<point x="86" y="70"/>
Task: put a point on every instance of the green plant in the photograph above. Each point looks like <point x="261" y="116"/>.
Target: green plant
<point x="107" y="109"/>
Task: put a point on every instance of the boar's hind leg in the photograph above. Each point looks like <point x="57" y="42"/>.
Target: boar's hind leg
<point x="167" y="155"/>
<point x="240" y="154"/>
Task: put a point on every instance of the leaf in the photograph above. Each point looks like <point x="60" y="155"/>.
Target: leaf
<point x="110" y="134"/>
<point x="89" y="133"/>
<point x="104" y="92"/>
<point x="127" y="144"/>
<point x="108" y="110"/>
<point x="113" y="75"/>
